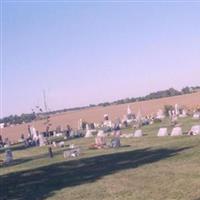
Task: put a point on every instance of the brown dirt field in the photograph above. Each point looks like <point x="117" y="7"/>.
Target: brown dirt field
<point x="96" y="114"/>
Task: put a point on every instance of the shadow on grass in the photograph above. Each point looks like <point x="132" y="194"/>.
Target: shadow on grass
<point x="17" y="147"/>
<point x="20" y="161"/>
<point x="42" y="182"/>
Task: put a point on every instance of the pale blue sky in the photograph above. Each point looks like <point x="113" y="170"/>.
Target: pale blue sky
<point x="83" y="53"/>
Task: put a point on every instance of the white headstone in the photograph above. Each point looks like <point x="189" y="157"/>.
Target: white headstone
<point x="72" y="134"/>
<point x="72" y="153"/>
<point x="160" y="114"/>
<point x="54" y="144"/>
<point x="195" y="130"/>
<point x="7" y="145"/>
<point x="129" y="112"/>
<point x="87" y="127"/>
<point x="105" y="115"/>
<point x="41" y="140"/>
<point x="196" y="116"/>
<point x="71" y="146"/>
<point x="2" y="125"/>
<point x="88" y="134"/>
<point x="33" y="132"/>
<point x="176" y="109"/>
<point x="61" y="144"/>
<point x="183" y="114"/>
<point x="107" y="123"/>
<point x="36" y="137"/>
<point x="80" y="124"/>
<point x="138" y="133"/>
<point x="177" y="131"/>
<point x="100" y="134"/>
<point x="58" y="135"/>
<point x="162" y="132"/>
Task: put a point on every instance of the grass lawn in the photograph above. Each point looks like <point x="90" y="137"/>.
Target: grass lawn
<point x="146" y="168"/>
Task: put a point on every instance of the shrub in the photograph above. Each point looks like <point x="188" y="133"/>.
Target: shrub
<point x="167" y="108"/>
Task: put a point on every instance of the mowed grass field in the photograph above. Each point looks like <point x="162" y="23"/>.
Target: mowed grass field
<point x="146" y="168"/>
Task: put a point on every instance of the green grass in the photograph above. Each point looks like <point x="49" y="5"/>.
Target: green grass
<point x="147" y="168"/>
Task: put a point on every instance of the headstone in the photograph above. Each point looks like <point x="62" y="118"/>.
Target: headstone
<point x="66" y="154"/>
<point x="8" y="156"/>
<point x="72" y="152"/>
<point x="41" y="140"/>
<point x="138" y="133"/>
<point x="106" y="118"/>
<point x="54" y="144"/>
<point x="72" y="134"/>
<point x="129" y="112"/>
<point x="160" y="114"/>
<point x="7" y="143"/>
<point x="183" y="114"/>
<point x="36" y="137"/>
<point x="195" y="130"/>
<point x="2" y="125"/>
<point x="87" y="127"/>
<point x="100" y="133"/>
<point x="177" y="131"/>
<point x="80" y="124"/>
<point x="71" y="146"/>
<point x="58" y="134"/>
<point x="107" y="123"/>
<point x="115" y="143"/>
<point x="33" y="132"/>
<point x="196" y="116"/>
<point x="88" y="134"/>
<point x="61" y="144"/>
<point x="176" y="109"/>
<point x="173" y="113"/>
<point x="174" y="119"/>
<point x="100" y="139"/>
<point x="139" y="117"/>
<point x="96" y="125"/>
<point x="162" y="132"/>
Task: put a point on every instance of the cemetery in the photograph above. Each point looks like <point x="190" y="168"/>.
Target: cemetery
<point x="83" y="163"/>
<point x="100" y="100"/>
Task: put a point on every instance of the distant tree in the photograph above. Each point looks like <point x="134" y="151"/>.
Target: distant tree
<point x="92" y="105"/>
<point x="104" y="104"/>
<point x="186" y="90"/>
<point x="167" y="108"/>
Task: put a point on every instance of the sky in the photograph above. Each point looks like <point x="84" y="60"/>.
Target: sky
<point x="88" y="52"/>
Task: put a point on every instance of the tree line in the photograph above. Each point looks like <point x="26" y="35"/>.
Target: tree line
<point x="155" y="95"/>
<point x="24" y="118"/>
